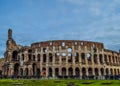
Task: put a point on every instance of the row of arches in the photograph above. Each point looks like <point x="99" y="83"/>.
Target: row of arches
<point x="77" y="72"/>
<point x="97" y="58"/>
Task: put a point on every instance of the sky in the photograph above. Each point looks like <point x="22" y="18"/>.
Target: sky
<point x="41" y="20"/>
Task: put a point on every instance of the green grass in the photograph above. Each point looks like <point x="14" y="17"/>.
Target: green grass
<point x="33" y="82"/>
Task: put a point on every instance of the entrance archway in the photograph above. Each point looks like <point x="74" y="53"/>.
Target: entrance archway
<point x="16" y="69"/>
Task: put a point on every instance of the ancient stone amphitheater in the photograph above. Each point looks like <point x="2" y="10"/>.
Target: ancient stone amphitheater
<point x="60" y="59"/>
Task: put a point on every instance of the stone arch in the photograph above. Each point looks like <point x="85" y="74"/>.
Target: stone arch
<point x="100" y="58"/>
<point x="23" y="57"/>
<point x="50" y="57"/>
<point x="14" y="55"/>
<point x="77" y="72"/>
<point x="44" y="57"/>
<point x="63" y="71"/>
<point x="38" y="57"/>
<point x="56" y="72"/>
<point x="16" y="69"/>
<point x="107" y="71"/>
<point x="21" y="71"/>
<point x="102" y="71"/>
<point x="30" y="54"/>
<point x="76" y="57"/>
<point x="95" y="59"/>
<point x="26" y="71"/>
<point x="96" y="72"/>
<point x="115" y="72"/>
<point x="34" y="69"/>
<point x="34" y="58"/>
<point x="90" y="72"/>
<point x="89" y="57"/>
<point x="111" y="71"/>
<point x="43" y="72"/>
<point x="105" y="58"/>
<point x="50" y="72"/>
<point x="83" y="72"/>
<point x="70" y="72"/>
<point x="38" y="72"/>
<point x="83" y="58"/>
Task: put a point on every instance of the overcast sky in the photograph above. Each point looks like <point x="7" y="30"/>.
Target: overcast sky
<point x="42" y="20"/>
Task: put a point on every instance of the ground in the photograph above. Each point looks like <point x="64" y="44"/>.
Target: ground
<point x="34" y="82"/>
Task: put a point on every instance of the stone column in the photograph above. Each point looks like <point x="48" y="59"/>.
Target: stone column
<point x="53" y="72"/>
<point x="73" y="55"/>
<point x="60" y="71"/>
<point x="66" y="71"/>
<point x="46" y="72"/>
<point x="60" y="59"/>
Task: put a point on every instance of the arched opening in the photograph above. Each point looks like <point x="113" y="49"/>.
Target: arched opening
<point x="77" y="72"/>
<point x="57" y="56"/>
<point x="50" y="57"/>
<point x="44" y="72"/>
<point x="76" y="57"/>
<point x="83" y="73"/>
<point x="34" y="69"/>
<point x="83" y="58"/>
<point x="29" y="54"/>
<point x="63" y="72"/>
<point x="21" y="72"/>
<point x="102" y="71"/>
<point x="69" y="49"/>
<point x="44" y="57"/>
<point x="69" y="57"/>
<point x="14" y="56"/>
<point x="96" y="72"/>
<point x="50" y="72"/>
<point x="38" y="57"/>
<point x="105" y="59"/>
<point x="44" y="50"/>
<point x="16" y="69"/>
<point x="34" y="58"/>
<point x="95" y="59"/>
<point x="38" y="72"/>
<point x="56" y="72"/>
<point x="23" y="57"/>
<point x="115" y="72"/>
<point x="30" y="57"/>
<point x="111" y="71"/>
<point x="70" y="72"/>
<point x="89" y="57"/>
<point x="26" y="71"/>
<point x="107" y="71"/>
<point x="90" y="73"/>
<point x="101" y="58"/>
<point x="63" y="57"/>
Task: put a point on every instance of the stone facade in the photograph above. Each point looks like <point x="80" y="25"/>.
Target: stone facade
<point x="60" y="59"/>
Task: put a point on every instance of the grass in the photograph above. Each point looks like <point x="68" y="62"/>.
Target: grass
<point x="33" y="82"/>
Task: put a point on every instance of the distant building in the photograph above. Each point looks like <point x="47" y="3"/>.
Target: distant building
<point x="60" y="59"/>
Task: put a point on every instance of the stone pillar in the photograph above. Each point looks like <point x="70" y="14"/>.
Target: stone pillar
<point x="53" y="72"/>
<point x="73" y="55"/>
<point x="60" y="56"/>
<point x="46" y="72"/>
<point x="73" y="71"/>
<point x="67" y="71"/>
<point x="60" y="71"/>
<point x="80" y="73"/>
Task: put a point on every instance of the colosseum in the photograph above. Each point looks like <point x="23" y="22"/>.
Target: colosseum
<point x="60" y="59"/>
